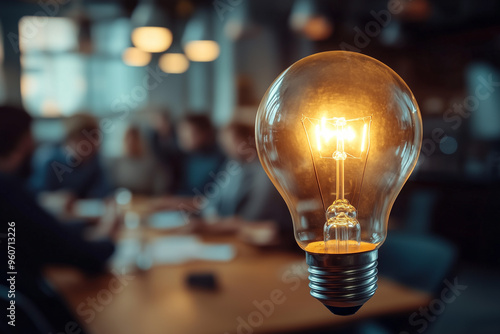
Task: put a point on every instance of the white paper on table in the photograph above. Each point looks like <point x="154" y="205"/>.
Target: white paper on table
<point x="167" y="220"/>
<point x="216" y="252"/>
<point x="171" y="250"/>
<point x="89" y="208"/>
<point x="179" y="249"/>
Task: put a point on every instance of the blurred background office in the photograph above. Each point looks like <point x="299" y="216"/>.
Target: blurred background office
<point x="141" y="115"/>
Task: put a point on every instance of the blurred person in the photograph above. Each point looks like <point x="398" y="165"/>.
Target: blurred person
<point x="138" y="170"/>
<point x="198" y="155"/>
<point x="40" y="239"/>
<point x="162" y="135"/>
<point x="75" y="166"/>
<point x="248" y="200"/>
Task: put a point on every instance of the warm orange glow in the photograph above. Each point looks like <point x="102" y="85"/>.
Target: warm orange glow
<point x="338" y="142"/>
<point x="152" y="39"/>
<point x="29" y="85"/>
<point x="352" y="246"/>
<point x="318" y="136"/>
<point x="363" y="141"/>
<point x="50" y="108"/>
<point x="174" y="63"/>
<point x="136" y="57"/>
<point x="202" y="51"/>
<point x="318" y="28"/>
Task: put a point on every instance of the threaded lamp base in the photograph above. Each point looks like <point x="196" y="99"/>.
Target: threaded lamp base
<point x="343" y="282"/>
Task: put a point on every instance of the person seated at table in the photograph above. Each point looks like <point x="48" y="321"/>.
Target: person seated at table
<point x="41" y="240"/>
<point x="75" y="166"/>
<point x="161" y="136"/>
<point x="247" y="198"/>
<point x="137" y="169"/>
<point x="198" y="156"/>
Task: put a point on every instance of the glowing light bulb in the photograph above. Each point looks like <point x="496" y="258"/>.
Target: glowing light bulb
<point x="339" y="133"/>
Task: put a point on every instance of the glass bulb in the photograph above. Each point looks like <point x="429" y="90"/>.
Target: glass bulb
<point x="339" y="133"/>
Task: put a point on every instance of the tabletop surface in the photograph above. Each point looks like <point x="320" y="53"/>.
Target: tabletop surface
<point x="259" y="291"/>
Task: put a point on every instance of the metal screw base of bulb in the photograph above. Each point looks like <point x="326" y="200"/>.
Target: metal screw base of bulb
<point x="343" y="282"/>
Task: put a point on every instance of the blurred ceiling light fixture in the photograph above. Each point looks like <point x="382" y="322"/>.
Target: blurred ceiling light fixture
<point x="197" y="40"/>
<point x="151" y="33"/>
<point x="202" y="51"/>
<point x="173" y="63"/>
<point x="306" y="18"/>
<point x="152" y="39"/>
<point x="136" y="57"/>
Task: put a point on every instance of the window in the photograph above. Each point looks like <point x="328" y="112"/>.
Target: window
<point x="57" y="79"/>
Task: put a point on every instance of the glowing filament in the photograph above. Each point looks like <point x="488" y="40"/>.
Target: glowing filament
<point x="341" y="133"/>
<point x="348" y="133"/>
<point x="340" y="139"/>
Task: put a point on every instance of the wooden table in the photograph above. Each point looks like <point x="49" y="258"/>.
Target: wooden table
<point x="159" y="301"/>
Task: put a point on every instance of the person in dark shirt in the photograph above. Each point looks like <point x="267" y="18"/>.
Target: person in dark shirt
<point x="161" y="139"/>
<point x="40" y="240"/>
<point x="75" y="166"/>
<point x="137" y="169"/>
<point x="198" y="158"/>
<point x="248" y="197"/>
